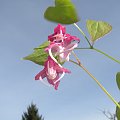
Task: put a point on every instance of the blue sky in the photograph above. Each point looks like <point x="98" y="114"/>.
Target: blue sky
<point x="22" y="28"/>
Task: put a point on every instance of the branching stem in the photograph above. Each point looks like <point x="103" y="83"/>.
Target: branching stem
<point x="91" y="46"/>
<point x="99" y="51"/>
<point x="98" y="83"/>
<point x="83" y="34"/>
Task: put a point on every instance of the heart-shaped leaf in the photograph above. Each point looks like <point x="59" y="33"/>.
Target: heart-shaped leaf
<point x="39" y="55"/>
<point x="118" y="112"/>
<point x="118" y="80"/>
<point x="64" y="12"/>
<point x="97" y="29"/>
<point x="63" y="2"/>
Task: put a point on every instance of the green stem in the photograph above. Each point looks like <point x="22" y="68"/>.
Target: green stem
<point x="91" y="47"/>
<point x="82" y="48"/>
<point x="99" y="84"/>
<point x="83" y="34"/>
<point x="118" y="61"/>
<point x="97" y="50"/>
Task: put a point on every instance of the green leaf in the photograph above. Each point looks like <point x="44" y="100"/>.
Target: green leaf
<point x="63" y="2"/>
<point x="64" y="12"/>
<point x="44" y="45"/>
<point x="118" y="112"/>
<point x="97" y="29"/>
<point x="39" y="55"/>
<point x="118" y="80"/>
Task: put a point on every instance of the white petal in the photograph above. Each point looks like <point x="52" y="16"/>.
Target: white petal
<point x="51" y="55"/>
<point x="60" y="77"/>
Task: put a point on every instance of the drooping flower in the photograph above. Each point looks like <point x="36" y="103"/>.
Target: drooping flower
<point x="63" y="52"/>
<point x="60" y="35"/>
<point x="61" y="44"/>
<point x="53" y="72"/>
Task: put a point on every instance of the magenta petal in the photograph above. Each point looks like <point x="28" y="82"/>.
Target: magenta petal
<point x="56" y="85"/>
<point x="50" y="81"/>
<point x="69" y="39"/>
<point x="53" y="72"/>
<point x="71" y="46"/>
<point x="40" y="75"/>
<point x="60" y="35"/>
<point x="59" y="28"/>
<point x="61" y="70"/>
<point x="51" y="37"/>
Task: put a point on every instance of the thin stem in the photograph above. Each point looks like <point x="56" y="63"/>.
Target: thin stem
<point x="76" y="57"/>
<point x="118" y="61"/>
<point x="99" y="84"/>
<point x="92" y="48"/>
<point x="97" y="50"/>
<point x="83" y="34"/>
<point x="82" y="48"/>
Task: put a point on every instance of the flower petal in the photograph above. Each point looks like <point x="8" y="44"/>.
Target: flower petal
<point x="56" y="85"/>
<point x="51" y="55"/>
<point x="64" y="55"/>
<point x="60" y="78"/>
<point x="71" y="47"/>
<point x="59" y="28"/>
<point x="58" y="34"/>
<point x="69" y="39"/>
<point x="40" y="75"/>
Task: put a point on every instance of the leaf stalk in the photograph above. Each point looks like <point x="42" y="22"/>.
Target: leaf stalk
<point x="98" y="83"/>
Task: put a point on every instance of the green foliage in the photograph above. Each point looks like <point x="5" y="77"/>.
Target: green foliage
<point x="118" y="80"/>
<point x="63" y="2"/>
<point x="97" y="29"/>
<point x="39" y="55"/>
<point x="118" y="112"/>
<point x="32" y="113"/>
<point x="118" y="84"/>
<point x="64" y="12"/>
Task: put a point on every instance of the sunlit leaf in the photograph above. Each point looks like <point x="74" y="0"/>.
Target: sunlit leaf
<point x="39" y="55"/>
<point x="97" y="29"/>
<point x="118" y="112"/>
<point x="118" y="80"/>
<point x="44" y="45"/>
<point x="63" y="2"/>
<point x="63" y="12"/>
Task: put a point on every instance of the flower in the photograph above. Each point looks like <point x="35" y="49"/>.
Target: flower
<point x="53" y="72"/>
<point x="60" y="47"/>
<point x="61" y="51"/>
<point x="61" y="44"/>
<point x="60" y="35"/>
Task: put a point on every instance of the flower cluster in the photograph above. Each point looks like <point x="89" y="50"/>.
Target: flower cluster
<point x="60" y="47"/>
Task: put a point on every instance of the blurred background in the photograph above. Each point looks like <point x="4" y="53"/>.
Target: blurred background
<point x="22" y="28"/>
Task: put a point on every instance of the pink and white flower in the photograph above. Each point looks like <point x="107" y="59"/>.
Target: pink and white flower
<point x="60" y="35"/>
<point x="53" y="72"/>
<point x="61" y="44"/>
<point x="63" y="52"/>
